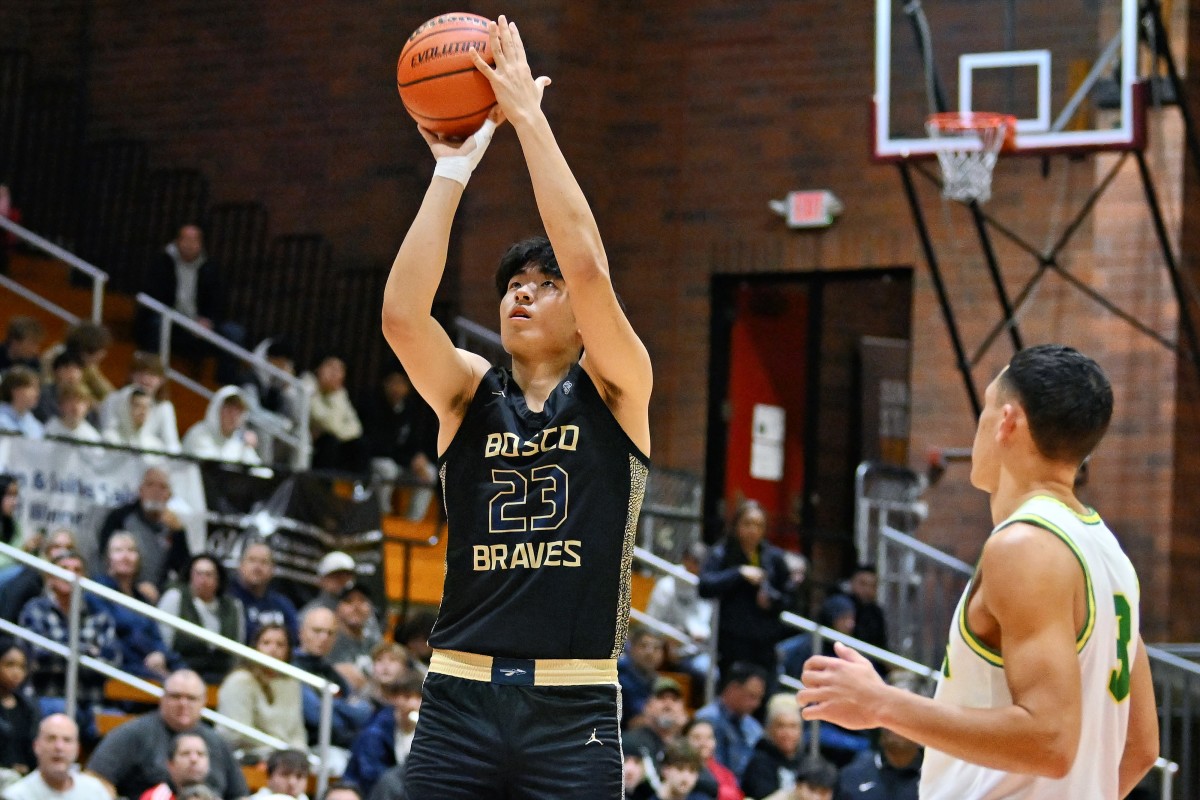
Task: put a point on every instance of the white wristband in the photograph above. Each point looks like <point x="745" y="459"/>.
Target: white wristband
<point x="459" y="168"/>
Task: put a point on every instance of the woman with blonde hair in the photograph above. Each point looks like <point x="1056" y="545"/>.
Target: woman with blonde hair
<point x="143" y="651"/>
<point x="260" y="697"/>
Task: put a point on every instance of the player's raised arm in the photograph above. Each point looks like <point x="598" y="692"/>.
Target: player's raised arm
<point x="443" y="375"/>
<point x="613" y="354"/>
<point x="1031" y="597"/>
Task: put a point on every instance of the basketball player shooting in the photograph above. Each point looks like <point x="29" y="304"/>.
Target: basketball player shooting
<point x="543" y="469"/>
<point x="1045" y="692"/>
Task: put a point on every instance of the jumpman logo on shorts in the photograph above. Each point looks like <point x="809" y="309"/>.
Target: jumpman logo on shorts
<point x="593" y="739"/>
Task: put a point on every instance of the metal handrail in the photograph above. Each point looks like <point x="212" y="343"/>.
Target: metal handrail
<point x="38" y="300"/>
<point x="670" y="631"/>
<point x="922" y="549"/>
<point x="878" y="653"/>
<point x="662" y="565"/>
<point x="130" y="679"/>
<point x="300" y="440"/>
<point x="99" y="277"/>
<point x="472" y="328"/>
<point x="74" y="659"/>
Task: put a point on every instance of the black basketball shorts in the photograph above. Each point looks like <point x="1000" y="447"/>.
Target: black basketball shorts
<point x="479" y="740"/>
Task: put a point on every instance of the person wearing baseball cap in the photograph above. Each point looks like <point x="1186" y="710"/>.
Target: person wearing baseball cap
<point x="335" y="570"/>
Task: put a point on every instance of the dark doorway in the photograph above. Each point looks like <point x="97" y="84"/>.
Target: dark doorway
<point x="785" y="421"/>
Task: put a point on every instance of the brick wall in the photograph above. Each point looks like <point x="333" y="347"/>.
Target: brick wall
<point x="681" y="119"/>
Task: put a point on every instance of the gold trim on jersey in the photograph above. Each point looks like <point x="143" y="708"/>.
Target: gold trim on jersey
<point x="993" y="656"/>
<point x="638" y="474"/>
<point x="547" y="671"/>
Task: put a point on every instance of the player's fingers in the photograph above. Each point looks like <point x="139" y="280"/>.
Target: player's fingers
<point x="504" y="32"/>
<point x="496" y="115"/>
<point x="518" y="45"/>
<point x="849" y="654"/>
<point x="495" y="42"/>
<point x="483" y="66"/>
<point x="429" y="136"/>
<point x="820" y="664"/>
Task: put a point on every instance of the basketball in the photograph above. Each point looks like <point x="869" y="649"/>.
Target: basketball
<point x="438" y="82"/>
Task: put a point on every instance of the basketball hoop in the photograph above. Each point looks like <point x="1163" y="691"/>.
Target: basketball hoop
<point x="974" y="140"/>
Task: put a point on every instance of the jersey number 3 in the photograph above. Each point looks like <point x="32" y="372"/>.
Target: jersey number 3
<point x="533" y="502"/>
<point x="1118" y="680"/>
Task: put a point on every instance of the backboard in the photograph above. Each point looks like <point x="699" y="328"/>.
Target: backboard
<point x="1067" y="70"/>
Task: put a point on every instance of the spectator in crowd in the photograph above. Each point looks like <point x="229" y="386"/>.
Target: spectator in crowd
<point x="19" y="393"/>
<point x="287" y="775"/>
<point x="56" y="749"/>
<point x="10" y="529"/>
<point x="204" y="601"/>
<point x="131" y="429"/>
<point x="634" y="777"/>
<point x="67" y="371"/>
<point x="816" y="781"/>
<point x="385" y="741"/>
<point x="892" y="769"/>
<point x="252" y="587"/>
<point x="413" y="633"/>
<point x="678" y="603"/>
<point x="798" y="600"/>
<point x="869" y="623"/>
<point x="749" y="578"/>
<point x="133" y="757"/>
<point x="402" y="430"/>
<point x="680" y="771"/>
<point x="777" y="756"/>
<point x="335" y="571"/>
<point x="342" y="791"/>
<point x="637" y="670"/>
<point x="333" y="423"/>
<point x="836" y="612"/>
<point x="28" y="582"/>
<point x="389" y="664"/>
<point x="351" y="653"/>
<point x="317" y="632"/>
<point x="48" y="615"/>
<point x="663" y="719"/>
<point x="716" y="780"/>
<point x="90" y="341"/>
<point x="262" y="698"/>
<point x="143" y="651"/>
<point x="274" y="399"/>
<point x="22" y="342"/>
<point x="147" y="378"/>
<point x="744" y="685"/>
<point x="187" y="766"/>
<point x="160" y="536"/>
<point x="18" y="714"/>
<point x="74" y="405"/>
<point x="8" y="240"/>
<point x="184" y="278"/>
<point x="222" y="434"/>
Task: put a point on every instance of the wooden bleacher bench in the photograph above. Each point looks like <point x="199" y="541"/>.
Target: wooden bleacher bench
<point x="108" y="721"/>
<point x="119" y="692"/>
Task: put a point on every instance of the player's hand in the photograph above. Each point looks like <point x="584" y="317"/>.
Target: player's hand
<point x="845" y="690"/>
<point x="443" y="147"/>
<point x="518" y="94"/>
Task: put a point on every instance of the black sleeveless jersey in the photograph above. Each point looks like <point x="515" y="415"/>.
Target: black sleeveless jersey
<point x="542" y="512"/>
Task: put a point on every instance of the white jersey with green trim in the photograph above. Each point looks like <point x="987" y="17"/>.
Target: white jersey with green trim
<point x="973" y="674"/>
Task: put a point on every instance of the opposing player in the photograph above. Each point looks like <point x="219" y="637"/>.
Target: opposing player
<point x="1045" y="692"/>
<point x="543" y="469"/>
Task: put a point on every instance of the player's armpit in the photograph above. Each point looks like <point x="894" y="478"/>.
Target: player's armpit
<point x="1141" y="739"/>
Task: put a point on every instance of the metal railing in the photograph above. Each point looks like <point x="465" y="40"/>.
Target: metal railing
<point x="75" y="659"/>
<point x="299" y="439"/>
<point x="470" y="335"/>
<point x="98" y="276"/>
<point x="920" y="587"/>
<point x="680" y="574"/>
<point x="1177" y="692"/>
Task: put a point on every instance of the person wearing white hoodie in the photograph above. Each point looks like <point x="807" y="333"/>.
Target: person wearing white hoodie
<point x="222" y="434"/>
<point x="121" y="417"/>
<point x="74" y="403"/>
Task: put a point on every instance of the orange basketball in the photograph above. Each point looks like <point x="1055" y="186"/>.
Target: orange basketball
<point x="438" y="81"/>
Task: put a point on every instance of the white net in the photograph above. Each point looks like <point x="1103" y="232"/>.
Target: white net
<point x="973" y="143"/>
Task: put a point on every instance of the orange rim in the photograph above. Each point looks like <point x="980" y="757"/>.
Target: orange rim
<point x="958" y="122"/>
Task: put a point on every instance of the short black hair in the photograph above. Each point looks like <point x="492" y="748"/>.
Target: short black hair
<point x="290" y="762"/>
<point x="681" y="754"/>
<point x="817" y="773"/>
<point x="534" y="251"/>
<point x="212" y="558"/>
<point x="67" y="358"/>
<point x="1066" y="397"/>
<point x="173" y="746"/>
<point x="742" y="671"/>
<point x="342" y="786"/>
